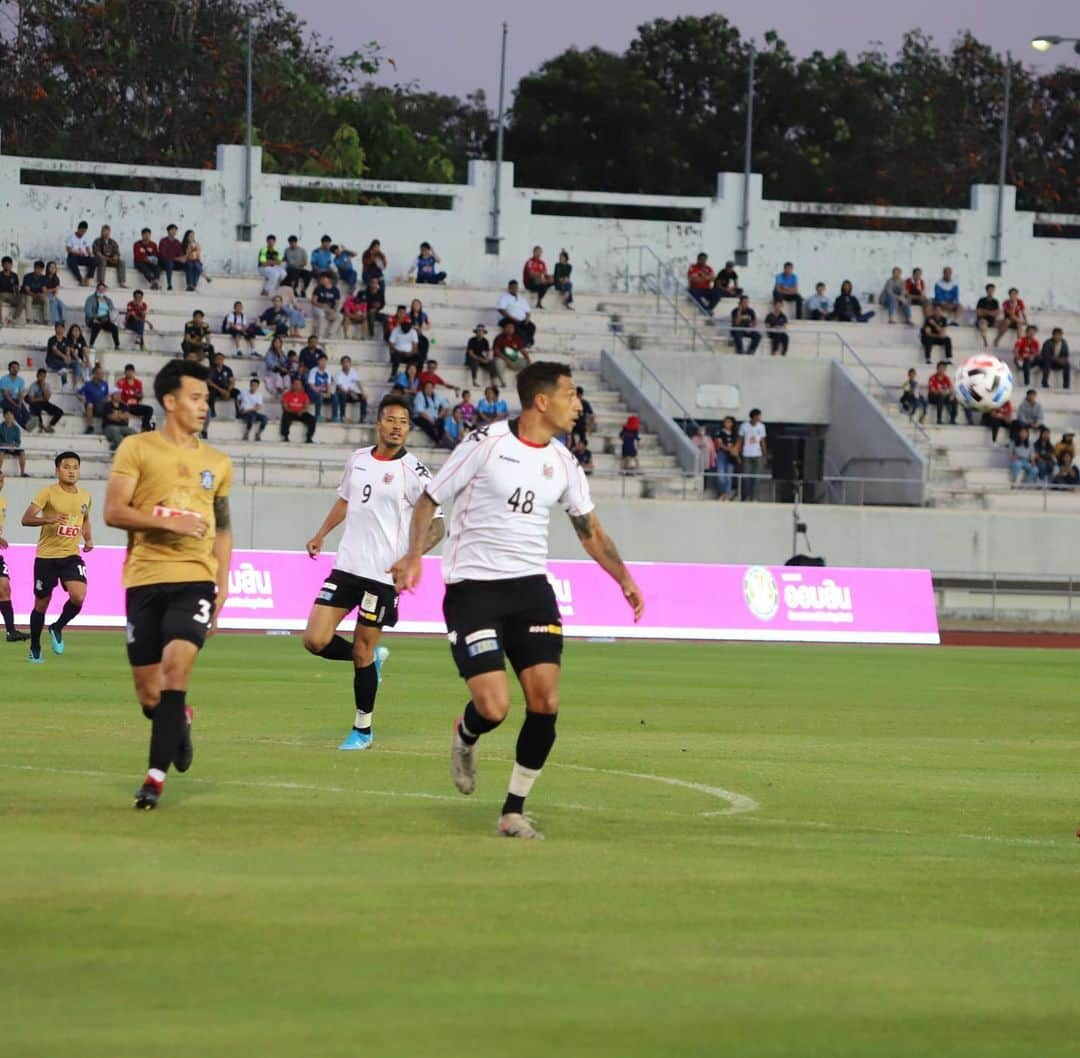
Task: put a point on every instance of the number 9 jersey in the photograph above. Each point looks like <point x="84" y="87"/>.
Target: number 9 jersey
<point x="505" y="488"/>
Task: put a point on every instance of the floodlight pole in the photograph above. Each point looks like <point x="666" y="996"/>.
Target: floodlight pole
<point x="491" y="244"/>
<point x="244" y="233"/>
<point x="742" y="254"/>
<point x="994" y="265"/>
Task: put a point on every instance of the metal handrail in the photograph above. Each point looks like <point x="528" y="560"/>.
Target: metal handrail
<point x="682" y="409"/>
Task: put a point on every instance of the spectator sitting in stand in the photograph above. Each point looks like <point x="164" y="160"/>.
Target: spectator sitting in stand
<point x="408" y="380"/>
<point x="911" y="400"/>
<point x="297" y="273"/>
<point x="511" y="306"/>
<point x="241" y="329"/>
<point x="492" y="408"/>
<point x="35" y="294"/>
<point x="324" y="302"/>
<point x="295" y="404"/>
<point x="322" y="259"/>
<point x="915" y="288"/>
<point x="563" y="283"/>
<point x="115" y="421"/>
<point x="79" y="352"/>
<point x="292" y="368"/>
<point x="373" y="266"/>
<point x="98" y="312"/>
<point x="510" y="347"/>
<point x="39" y="401"/>
<point x="1013" y="315"/>
<point x="743" y="319"/>
<point x="404" y="346"/>
<point x="1055" y="357"/>
<point x="1045" y="462"/>
<point x="275" y="367"/>
<point x="998" y="418"/>
<point x="1022" y="458"/>
<point x="348" y="389"/>
<point x="249" y="405"/>
<point x="11" y="443"/>
<point x="535" y="276"/>
<point x="293" y="310"/>
<point x="401" y="314"/>
<point x="145" y="255"/>
<point x="192" y="258"/>
<point x="94" y="394"/>
<point x="106" y="251"/>
<point x="1029" y="414"/>
<point x="894" y="296"/>
<point x="786" y="288"/>
<point x="585" y="423"/>
<point x="1026" y="352"/>
<point x="726" y="284"/>
<point x="425" y="267"/>
<point x="630" y="436"/>
<point x="222" y="385"/>
<point x="933" y="333"/>
<point x="454" y="429"/>
<point x="478" y="356"/>
<point x="319" y="385"/>
<point x="583" y="455"/>
<point x="197" y="337"/>
<point x="467" y="409"/>
<point x="986" y="313"/>
<point x="271" y="266"/>
<point x="10" y="292"/>
<point x="353" y="310"/>
<point x="275" y="319"/>
<point x="1066" y="444"/>
<point x="375" y="302"/>
<point x="52" y="287"/>
<point x="941" y="394"/>
<point x="80" y="254"/>
<point x="1067" y="476"/>
<point x="135" y="317"/>
<point x="309" y="356"/>
<point x="430" y="412"/>
<point x="58" y="358"/>
<point x="13" y="394"/>
<point x="130" y="389"/>
<point x="776" y="329"/>
<point x="700" y="283"/>
<point x="343" y="265"/>
<point x="819" y="305"/>
<point x="430" y="373"/>
<point x="170" y="254"/>
<point x="947" y="295"/>
<point x="846" y="308"/>
<point x="420" y="324"/>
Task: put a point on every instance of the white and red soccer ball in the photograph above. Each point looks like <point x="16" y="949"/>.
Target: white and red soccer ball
<point x="983" y="382"/>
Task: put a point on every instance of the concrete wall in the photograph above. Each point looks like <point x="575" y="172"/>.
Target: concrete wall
<point x="946" y="541"/>
<point x="606" y="253"/>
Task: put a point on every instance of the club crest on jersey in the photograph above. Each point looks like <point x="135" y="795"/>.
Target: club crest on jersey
<point x="388" y="479"/>
<point x="549" y="470"/>
<point x="206" y="479"/>
<point x="84" y="509"/>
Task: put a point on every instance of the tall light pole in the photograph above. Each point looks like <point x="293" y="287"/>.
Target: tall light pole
<point x="742" y="254"/>
<point x="1048" y="40"/>
<point x="491" y="243"/>
<point x="244" y="233"/>
<point x="993" y="266"/>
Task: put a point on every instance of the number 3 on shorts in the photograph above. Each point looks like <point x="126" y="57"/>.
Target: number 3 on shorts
<point x="203" y="616"/>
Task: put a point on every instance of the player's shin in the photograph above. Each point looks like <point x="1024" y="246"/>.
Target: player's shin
<point x="167" y="727"/>
<point x="338" y="649"/>
<point x="534" y="743"/>
<point x="473" y="725"/>
<point x="67" y="614"/>
<point x="37" y="623"/>
<point x="365" y="687"/>
<point x="8" y="614"/>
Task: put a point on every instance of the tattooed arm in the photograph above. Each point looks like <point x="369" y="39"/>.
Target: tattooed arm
<point x="222" y="552"/>
<point x="436" y="531"/>
<point x="601" y="549"/>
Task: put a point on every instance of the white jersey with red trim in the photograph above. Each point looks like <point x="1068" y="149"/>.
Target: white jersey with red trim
<point x="503" y="490"/>
<point x="381" y="494"/>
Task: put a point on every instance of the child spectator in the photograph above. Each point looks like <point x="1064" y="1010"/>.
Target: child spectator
<point x="249" y="404"/>
<point x="630" y="436"/>
<point x="425" y="267"/>
<point x="940" y="393"/>
<point x="998" y="418"/>
<point x="1026" y="352"/>
<point x="911" y="400"/>
<point x="468" y="409"/>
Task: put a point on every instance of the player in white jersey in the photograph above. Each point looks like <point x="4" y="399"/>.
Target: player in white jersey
<point x="376" y="496"/>
<point x="504" y="479"/>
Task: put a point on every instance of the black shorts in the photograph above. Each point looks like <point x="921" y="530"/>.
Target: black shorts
<point x="489" y="621"/>
<point x="3" y="567"/>
<point x="160" y="613"/>
<point x="375" y="603"/>
<point x="48" y="572"/>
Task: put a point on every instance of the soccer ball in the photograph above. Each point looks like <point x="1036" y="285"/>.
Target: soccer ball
<point x="983" y="382"/>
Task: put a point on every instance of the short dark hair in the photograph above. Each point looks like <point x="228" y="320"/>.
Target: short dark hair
<point x="129" y="367"/>
<point x="12" y="363"/>
<point x="145" y="231"/>
<point x="1031" y="393"/>
<point x="541" y="376"/>
<point x="391" y="400"/>
<point x="6" y="260"/>
<point x="789" y="264"/>
<point x="67" y="455"/>
<point x="39" y="264"/>
<point x="82" y="224"/>
<point x="754" y="411"/>
<point x="170" y="377"/>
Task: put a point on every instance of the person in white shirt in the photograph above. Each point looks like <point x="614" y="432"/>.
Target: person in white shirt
<point x="250" y="404"/>
<point x="753" y="452"/>
<point x="378" y="491"/>
<point x="241" y="328"/>
<point x="404" y="345"/>
<point x="504" y="480"/>
<point x="80" y="253"/>
<point x="348" y="389"/>
<point x="511" y="306"/>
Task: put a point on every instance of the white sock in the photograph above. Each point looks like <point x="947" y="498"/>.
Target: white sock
<point x="156" y="774"/>
<point x="363" y="721"/>
<point x="522" y="779"/>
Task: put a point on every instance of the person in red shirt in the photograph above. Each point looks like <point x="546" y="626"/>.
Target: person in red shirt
<point x="135" y="317"/>
<point x="431" y="374"/>
<point x="147" y="260"/>
<point x="940" y="393"/>
<point x="131" y="395"/>
<point x="1013" y="315"/>
<point x="171" y="254"/>
<point x="1026" y="351"/>
<point x="509" y="347"/>
<point x="353" y="310"/>
<point x="915" y="288"/>
<point x="294" y="408"/>
<point x="535" y="275"/>
<point x="699" y="283"/>
<point x="998" y="418"/>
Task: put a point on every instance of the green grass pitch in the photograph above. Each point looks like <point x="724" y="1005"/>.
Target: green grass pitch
<point x="906" y="884"/>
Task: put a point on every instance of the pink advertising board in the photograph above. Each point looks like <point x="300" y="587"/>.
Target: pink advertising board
<point x="273" y="590"/>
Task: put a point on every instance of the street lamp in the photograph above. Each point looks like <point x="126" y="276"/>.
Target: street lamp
<point x="1048" y="40"/>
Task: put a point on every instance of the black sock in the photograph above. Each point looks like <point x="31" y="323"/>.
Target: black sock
<point x="9" y="616"/>
<point x="37" y="623"/>
<point x="148" y="712"/>
<point x="338" y="649"/>
<point x="167" y="727"/>
<point x="473" y="725"/>
<point x="365" y="687"/>
<point x="534" y="743"/>
<point x="70" y="611"/>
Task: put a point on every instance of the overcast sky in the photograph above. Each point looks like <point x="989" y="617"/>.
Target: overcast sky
<point x="453" y="47"/>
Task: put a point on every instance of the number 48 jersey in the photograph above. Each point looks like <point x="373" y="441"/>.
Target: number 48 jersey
<point x="505" y="488"/>
<point x="381" y="494"/>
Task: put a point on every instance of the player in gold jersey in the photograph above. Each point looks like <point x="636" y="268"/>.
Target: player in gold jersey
<point x="62" y="513"/>
<point x="13" y="634"/>
<point x="170" y="491"/>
